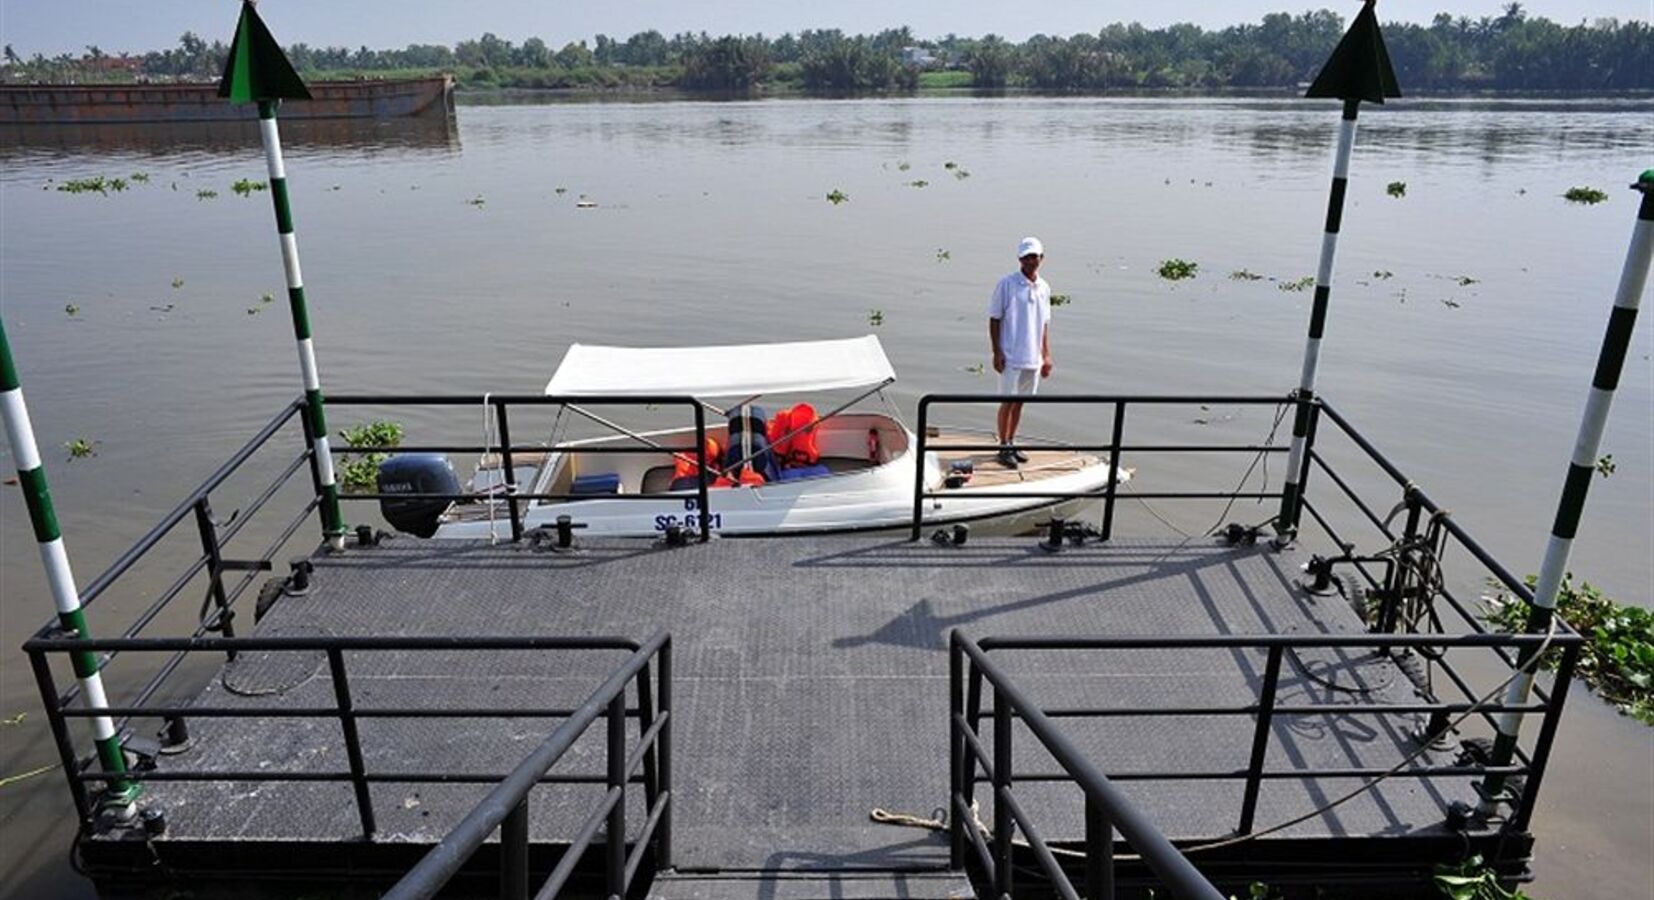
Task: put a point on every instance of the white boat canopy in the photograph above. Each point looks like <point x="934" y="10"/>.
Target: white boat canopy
<point x="736" y="370"/>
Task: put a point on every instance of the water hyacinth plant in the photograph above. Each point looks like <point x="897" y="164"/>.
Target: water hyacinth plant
<point x="1177" y="269"/>
<point x="1589" y="196"/>
<point x="359" y="473"/>
<point x="837" y="196"/>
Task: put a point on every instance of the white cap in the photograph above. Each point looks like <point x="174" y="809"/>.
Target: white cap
<point x="1030" y="245"/>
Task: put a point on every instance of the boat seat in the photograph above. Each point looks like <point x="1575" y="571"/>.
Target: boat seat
<point x="658" y="480"/>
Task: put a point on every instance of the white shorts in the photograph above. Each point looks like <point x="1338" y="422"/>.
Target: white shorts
<point x="1019" y="381"/>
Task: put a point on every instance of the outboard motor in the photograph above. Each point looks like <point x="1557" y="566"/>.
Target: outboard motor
<point x="416" y="473"/>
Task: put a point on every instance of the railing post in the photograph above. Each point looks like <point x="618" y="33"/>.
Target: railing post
<point x="53" y="704"/>
<point x="1004" y="825"/>
<point x="1547" y="735"/>
<point x="353" y="741"/>
<point x="615" y="846"/>
<point x="1099" y="852"/>
<point x="663" y="832"/>
<point x="919" y="470"/>
<point x="645" y="718"/>
<point x="703" y="497"/>
<point x="956" y="750"/>
<point x="1260" y="739"/>
<point x="507" y="469"/>
<point x="215" y="574"/>
<point x="1113" y="468"/>
<point x="514" y="853"/>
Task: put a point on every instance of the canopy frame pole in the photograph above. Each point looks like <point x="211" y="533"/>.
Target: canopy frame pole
<point x="121" y="794"/>
<point x="1616" y="342"/>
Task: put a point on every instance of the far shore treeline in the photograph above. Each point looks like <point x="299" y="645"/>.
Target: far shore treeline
<point x="1511" y="51"/>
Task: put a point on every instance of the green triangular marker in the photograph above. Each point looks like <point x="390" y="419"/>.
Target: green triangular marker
<point x="257" y="69"/>
<point x="1359" y="68"/>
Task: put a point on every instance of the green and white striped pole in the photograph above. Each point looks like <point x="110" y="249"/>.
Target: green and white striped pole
<point x="258" y="71"/>
<point x="60" y="579"/>
<point x="1359" y="69"/>
<point x="1616" y="342"/>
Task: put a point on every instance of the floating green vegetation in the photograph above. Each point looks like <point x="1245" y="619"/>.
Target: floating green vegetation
<point x="1061" y="299"/>
<point x="360" y="472"/>
<point x="1464" y="280"/>
<point x="977" y="369"/>
<point x="14" y="721"/>
<point x="837" y="196"/>
<point x="943" y="255"/>
<point x="1302" y="284"/>
<point x="1244" y="275"/>
<point x="1451" y="304"/>
<point x="71" y="309"/>
<point x="903" y="166"/>
<point x="206" y="194"/>
<point x="1177" y="269"/>
<point x="1617" y="660"/>
<point x="1605" y="465"/>
<point x="478" y="201"/>
<point x="97" y="185"/>
<point x="950" y="165"/>
<point x="875" y="317"/>
<point x="559" y="190"/>
<point x="140" y="177"/>
<point x="1470" y="880"/>
<point x="166" y="309"/>
<point x="1396" y="189"/>
<point x="266" y="298"/>
<point x="1383" y="274"/>
<point x="961" y="174"/>
<point x="252" y="310"/>
<point x="117" y="184"/>
<point x="245" y="187"/>
<point x="919" y="183"/>
<point x="177" y="283"/>
<point x="1587" y="195"/>
<point x="81" y="448"/>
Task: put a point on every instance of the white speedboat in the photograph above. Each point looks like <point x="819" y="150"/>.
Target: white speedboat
<point x="860" y="476"/>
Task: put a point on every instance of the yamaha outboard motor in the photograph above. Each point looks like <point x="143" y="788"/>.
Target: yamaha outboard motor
<point x="416" y="473"/>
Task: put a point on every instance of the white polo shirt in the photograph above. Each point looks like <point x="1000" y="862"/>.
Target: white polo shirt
<point x="1023" y="309"/>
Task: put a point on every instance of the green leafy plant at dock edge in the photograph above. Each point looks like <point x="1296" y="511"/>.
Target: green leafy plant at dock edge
<point x="360" y="472"/>
<point x="1177" y="269"/>
<point x="1586" y="195"/>
<point x="1470" y="880"/>
<point x="1617" y="660"/>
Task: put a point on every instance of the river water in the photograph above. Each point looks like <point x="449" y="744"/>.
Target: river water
<point x="451" y="256"/>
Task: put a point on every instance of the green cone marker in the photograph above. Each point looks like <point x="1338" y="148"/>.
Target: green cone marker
<point x="1610" y="361"/>
<point x="1359" y="69"/>
<point x="257" y="71"/>
<point x="60" y="579"/>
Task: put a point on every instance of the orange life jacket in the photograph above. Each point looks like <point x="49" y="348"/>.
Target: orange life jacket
<point x="750" y="476"/>
<point x="800" y="449"/>
<point x="780" y="424"/>
<point x="684" y="463"/>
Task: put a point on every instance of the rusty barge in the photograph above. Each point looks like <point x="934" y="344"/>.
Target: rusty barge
<point x="71" y="104"/>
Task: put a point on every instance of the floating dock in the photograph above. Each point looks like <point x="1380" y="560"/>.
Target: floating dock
<point x="812" y="686"/>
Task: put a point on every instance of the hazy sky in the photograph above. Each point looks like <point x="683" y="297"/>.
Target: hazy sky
<point x="57" y="26"/>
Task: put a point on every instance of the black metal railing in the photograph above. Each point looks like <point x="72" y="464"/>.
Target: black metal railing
<point x="500" y="405"/>
<point x="224" y="570"/>
<point x="506" y="808"/>
<point x="1116" y="448"/>
<point x="1106" y="809"/>
<point x="970" y="667"/>
<point x="653" y="704"/>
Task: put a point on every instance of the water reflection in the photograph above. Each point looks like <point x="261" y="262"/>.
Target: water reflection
<point x="433" y="133"/>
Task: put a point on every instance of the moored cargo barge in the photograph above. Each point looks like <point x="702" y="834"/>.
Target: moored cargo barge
<point x="72" y="104"/>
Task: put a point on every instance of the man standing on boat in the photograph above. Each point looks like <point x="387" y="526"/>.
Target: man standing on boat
<point x="1019" y="330"/>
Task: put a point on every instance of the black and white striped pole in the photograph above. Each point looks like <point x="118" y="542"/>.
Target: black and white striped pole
<point x="1616" y="342"/>
<point x="257" y="71"/>
<point x="1359" y="69"/>
<point x="60" y="579"/>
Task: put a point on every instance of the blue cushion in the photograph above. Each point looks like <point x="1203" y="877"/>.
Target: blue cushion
<point x="608" y="483"/>
<point x="763" y="462"/>
<point x="804" y="472"/>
